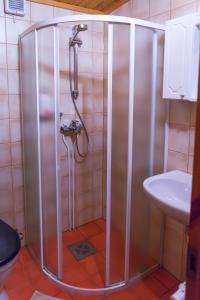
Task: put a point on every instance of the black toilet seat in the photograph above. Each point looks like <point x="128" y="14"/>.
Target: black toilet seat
<point x="9" y="243"/>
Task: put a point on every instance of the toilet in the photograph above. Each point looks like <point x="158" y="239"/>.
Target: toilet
<point x="9" y="249"/>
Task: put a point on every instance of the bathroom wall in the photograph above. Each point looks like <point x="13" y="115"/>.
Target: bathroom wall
<point x="181" y="125"/>
<point x="182" y="115"/>
<point x="11" y="181"/>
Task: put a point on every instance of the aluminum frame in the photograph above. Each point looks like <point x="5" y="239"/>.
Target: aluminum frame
<point x="57" y="149"/>
<point x="110" y="20"/>
<point x="39" y="151"/>
<point x="153" y="102"/>
<point x="109" y="151"/>
<point x="130" y="151"/>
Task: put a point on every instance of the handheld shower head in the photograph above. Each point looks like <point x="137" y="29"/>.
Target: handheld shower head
<point x="77" y="28"/>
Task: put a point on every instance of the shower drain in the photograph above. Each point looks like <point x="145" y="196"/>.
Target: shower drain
<point x="82" y="249"/>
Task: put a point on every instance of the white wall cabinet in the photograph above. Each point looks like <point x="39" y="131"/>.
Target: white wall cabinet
<point x="181" y="62"/>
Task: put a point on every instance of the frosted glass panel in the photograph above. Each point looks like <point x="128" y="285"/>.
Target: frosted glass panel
<point x="47" y="140"/>
<point x="119" y="150"/>
<point x="143" y="254"/>
<point x="30" y="136"/>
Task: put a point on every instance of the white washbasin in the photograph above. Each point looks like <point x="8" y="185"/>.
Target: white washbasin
<point x="171" y="192"/>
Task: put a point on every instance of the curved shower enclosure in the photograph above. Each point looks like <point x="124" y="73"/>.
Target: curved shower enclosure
<point x="93" y="125"/>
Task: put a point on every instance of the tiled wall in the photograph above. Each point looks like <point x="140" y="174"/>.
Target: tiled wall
<point x="88" y="191"/>
<point x="90" y="104"/>
<point x="182" y="114"/>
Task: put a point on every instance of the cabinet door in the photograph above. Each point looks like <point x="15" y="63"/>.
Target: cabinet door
<point x="181" y="59"/>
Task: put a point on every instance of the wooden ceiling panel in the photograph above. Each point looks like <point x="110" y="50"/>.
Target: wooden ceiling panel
<point x="87" y="6"/>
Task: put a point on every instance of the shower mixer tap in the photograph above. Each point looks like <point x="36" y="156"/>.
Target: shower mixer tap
<point x="72" y="130"/>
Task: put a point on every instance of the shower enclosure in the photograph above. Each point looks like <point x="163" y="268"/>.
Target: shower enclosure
<point x="121" y="107"/>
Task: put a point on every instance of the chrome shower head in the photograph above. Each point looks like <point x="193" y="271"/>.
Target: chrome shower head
<point x="77" y="28"/>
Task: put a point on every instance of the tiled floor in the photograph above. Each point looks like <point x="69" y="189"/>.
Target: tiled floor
<point x="89" y="272"/>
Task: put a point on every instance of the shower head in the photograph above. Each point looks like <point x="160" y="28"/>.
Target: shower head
<point x="75" y="31"/>
<point x="77" y="28"/>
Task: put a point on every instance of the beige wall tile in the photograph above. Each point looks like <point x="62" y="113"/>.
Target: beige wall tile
<point x="19" y="221"/>
<point x="13" y="82"/>
<point x="184" y="10"/>
<point x="61" y="12"/>
<point x="98" y="63"/>
<point x="40" y="12"/>
<point x="86" y="37"/>
<point x="6" y="201"/>
<point x="8" y="217"/>
<point x="124" y="10"/>
<point x="190" y="164"/>
<point x="177" y="161"/>
<point x="5" y="157"/>
<point x="3" y="30"/>
<point x="198" y="5"/>
<point x="5" y="179"/>
<point x="179" y="138"/>
<point x="3" y="58"/>
<point x="162" y="18"/>
<point x="158" y="7"/>
<point x="193" y="114"/>
<point x="17" y="175"/>
<point x="14" y="28"/>
<point x="85" y="62"/>
<point x="140" y="9"/>
<point x="192" y="140"/>
<point x="180" y="112"/>
<point x="12" y="54"/>
<point x="14" y="106"/>
<point x="4" y="132"/>
<point x="3" y="82"/>
<point x="19" y="199"/>
<point x="4" y="111"/>
<point x="97" y="42"/>
<point x="16" y="153"/>
<point x="178" y="3"/>
<point x="15" y="131"/>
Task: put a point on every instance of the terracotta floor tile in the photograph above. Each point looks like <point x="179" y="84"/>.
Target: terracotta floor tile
<point x="99" y="241"/>
<point x="90" y="229"/>
<point x="126" y="294"/>
<point x="93" y="263"/>
<point x="70" y="237"/>
<point x="88" y="283"/>
<point x="165" y="278"/>
<point x="68" y="258"/>
<point x="74" y="274"/>
<point x="43" y="285"/>
<point x="87" y="297"/>
<point x="31" y="270"/>
<point x="169" y="294"/>
<point x="101" y="223"/>
<point x="24" y="255"/>
<point x="64" y="296"/>
<point x="99" y="279"/>
<point x="21" y="293"/>
<point x="149" y="288"/>
<point x="16" y="279"/>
